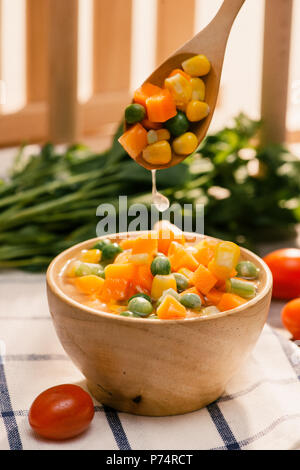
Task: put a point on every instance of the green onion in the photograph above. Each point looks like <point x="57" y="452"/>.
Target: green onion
<point x="242" y="288"/>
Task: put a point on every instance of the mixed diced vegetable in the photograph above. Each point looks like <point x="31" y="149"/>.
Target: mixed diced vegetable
<point x="160" y="119"/>
<point x="161" y="276"/>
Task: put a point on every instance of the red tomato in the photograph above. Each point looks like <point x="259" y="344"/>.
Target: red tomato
<point x="290" y="316"/>
<point x="61" y="412"/>
<point x="285" y="267"/>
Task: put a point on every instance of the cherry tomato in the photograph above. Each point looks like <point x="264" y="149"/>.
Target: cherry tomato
<point x="290" y="316"/>
<point x="285" y="267"/>
<point x="61" y="412"/>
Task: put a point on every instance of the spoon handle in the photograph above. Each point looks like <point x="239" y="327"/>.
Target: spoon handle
<point x="225" y="16"/>
<point x="213" y="38"/>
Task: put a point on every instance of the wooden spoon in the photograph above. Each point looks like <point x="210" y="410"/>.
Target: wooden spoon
<point x="211" y="41"/>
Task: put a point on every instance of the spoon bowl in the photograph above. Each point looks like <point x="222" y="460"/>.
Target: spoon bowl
<point x="211" y="42"/>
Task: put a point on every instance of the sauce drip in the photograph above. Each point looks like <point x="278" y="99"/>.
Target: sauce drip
<point x="159" y="200"/>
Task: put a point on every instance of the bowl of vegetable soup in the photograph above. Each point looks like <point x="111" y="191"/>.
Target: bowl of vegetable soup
<point x="158" y="322"/>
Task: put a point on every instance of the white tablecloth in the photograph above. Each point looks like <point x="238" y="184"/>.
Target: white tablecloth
<point x="259" y="410"/>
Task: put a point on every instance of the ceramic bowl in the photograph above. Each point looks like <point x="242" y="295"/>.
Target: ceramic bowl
<point x="156" y="367"/>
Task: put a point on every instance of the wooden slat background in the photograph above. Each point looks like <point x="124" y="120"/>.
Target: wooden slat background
<point x="277" y="38"/>
<point x="175" y="25"/>
<point x="1" y="77"/>
<point x="52" y="110"/>
<point x="112" y="45"/>
<point x="37" y="31"/>
<point x="63" y="71"/>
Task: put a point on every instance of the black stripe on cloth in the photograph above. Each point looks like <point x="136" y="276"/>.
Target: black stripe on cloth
<point x="25" y="412"/>
<point x="117" y="428"/>
<point x="223" y="427"/>
<point x="9" y="419"/>
<point x="252" y="387"/>
<point x="34" y="357"/>
<point x="264" y="432"/>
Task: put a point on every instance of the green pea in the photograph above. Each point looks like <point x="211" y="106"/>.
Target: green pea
<point x="85" y="269"/>
<point x="140" y="306"/>
<point x="191" y="301"/>
<point x="161" y="265"/>
<point x="171" y="292"/>
<point x="129" y="314"/>
<point x="182" y="282"/>
<point x="109" y="252"/>
<point x="101" y="244"/>
<point x="134" y="113"/>
<point x="247" y="269"/>
<point x="242" y="288"/>
<point x="178" y="125"/>
<point x="144" y="296"/>
<point x="210" y="310"/>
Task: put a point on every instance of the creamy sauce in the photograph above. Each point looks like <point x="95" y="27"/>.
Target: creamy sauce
<point x="161" y="202"/>
<point x="67" y="285"/>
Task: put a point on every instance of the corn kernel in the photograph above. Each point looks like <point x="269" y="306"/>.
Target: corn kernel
<point x="197" y="110"/>
<point x="91" y="256"/>
<point x="161" y="283"/>
<point x="180" y="88"/>
<point x="158" y="135"/>
<point x="225" y="260"/>
<point x="197" y="66"/>
<point x="159" y="153"/>
<point x="152" y="137"/>
<point x="141" y="258"/>
<point x="71" y="269"/>
<point x="163" y="134"/>
<point x="185" y="144"/>
<point x="198" y="89"/>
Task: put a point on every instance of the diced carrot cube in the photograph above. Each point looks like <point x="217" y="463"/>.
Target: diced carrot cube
<point x="124" y="257"/>
<point x="145" y="244"/>
<point x="184" y="74"/>
<point x="203" y="279"/>
<point x="127" y="243"/>
<point x="145" y="91"/>
<point x="221" y="285"/>
<point x="214" y="296"/>
<point x="89" y="284"/>
<point x="151" y="125"/>
<point x="114" y="289"/>
<point x="120" y="271"/>
<point x="206" y="250"/>
<point x="161" y="107"/>
<point x="229" y="301"/>
<point x="221" y="272"/>
<point x="144" y="278"/>
<point x="134" y="141"/>
<point x="167" y="233"/>
<point x="180" y="258"/>
<point x="131" y="289"/>
<point x="170" y="309"/>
